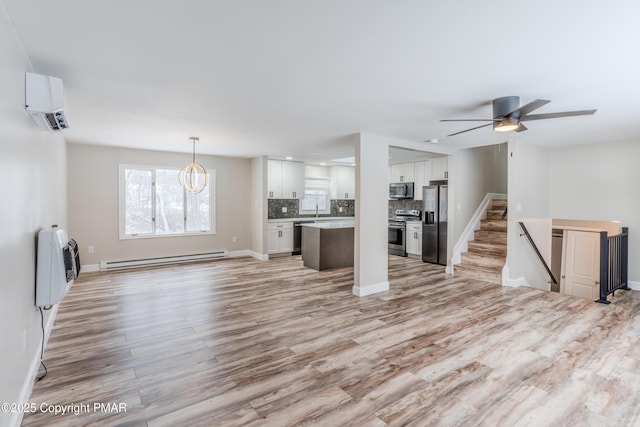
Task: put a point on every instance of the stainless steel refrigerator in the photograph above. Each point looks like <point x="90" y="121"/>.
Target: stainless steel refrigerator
<point x="434" y="222"/>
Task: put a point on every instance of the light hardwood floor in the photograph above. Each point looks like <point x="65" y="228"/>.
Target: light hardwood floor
<point x="241" y="342"/>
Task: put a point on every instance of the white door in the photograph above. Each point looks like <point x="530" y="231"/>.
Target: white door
<point x="581" y="264"/>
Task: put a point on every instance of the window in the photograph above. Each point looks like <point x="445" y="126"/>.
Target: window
<point x="152" y="203"/>
<point x="316" y="193"/>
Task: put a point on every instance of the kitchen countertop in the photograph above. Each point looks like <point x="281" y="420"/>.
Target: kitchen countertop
<point x="320" y="218"/>
<point x="349" y="223"/>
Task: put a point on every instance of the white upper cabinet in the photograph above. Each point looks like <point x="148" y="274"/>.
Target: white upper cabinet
<point x="292" y="180"/>
<point x="286" y="180"/>
<point x="343" y="182"/>
<point x="402" y="172"/>
<point x="274" y="183"/>
<point x="440" y="168"/>
<point x="422" y="176"/>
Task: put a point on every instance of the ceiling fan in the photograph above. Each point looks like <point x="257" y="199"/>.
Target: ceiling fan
<point x="508" y="115"/>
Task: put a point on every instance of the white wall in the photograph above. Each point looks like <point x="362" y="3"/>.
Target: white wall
<point x="371" y="221"/>
<point x="528" y="198"/>
<point x="93" y="204"/>
<point x="32" y="172"/>
<point x="259" y="208"/>
<point x="474" y="173"/>
<point x="599" y="182"/>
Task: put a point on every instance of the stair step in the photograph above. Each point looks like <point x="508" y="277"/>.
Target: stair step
<point x="489" y="236"/>
<point x="473" y="273"/>
<point x="493" y="224"/>
<point x="490" y="248"/>
<point x="495" y="214"/>
<point x="499" y="204"/>
<point x="483" y="262"/>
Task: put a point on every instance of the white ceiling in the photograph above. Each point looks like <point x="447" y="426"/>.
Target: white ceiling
<point x="297" y="77"/>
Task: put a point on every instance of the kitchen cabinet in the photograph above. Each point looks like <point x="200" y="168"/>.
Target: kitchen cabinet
<point x="285" y="180"/>
<point x="280" y="237"/>
<point x="274" y="181"/>
<point x="414" y="238"/>
<point x="440" y="168"/>
<point x="343" y="182"/>
<point x="422" y="176"/>
<point x="402" y="172"/>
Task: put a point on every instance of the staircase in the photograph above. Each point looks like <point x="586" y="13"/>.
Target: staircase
<point x="486" y="254"/>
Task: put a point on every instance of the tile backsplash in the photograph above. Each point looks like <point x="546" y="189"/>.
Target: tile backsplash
<point x="348" y="208"/>
<point x="403" y="204"/>
<point x="275" y="209"/>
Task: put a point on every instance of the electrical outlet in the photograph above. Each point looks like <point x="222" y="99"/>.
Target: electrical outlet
<point x="340" y="209"/>
<point x="91" y="249"/>
<point x="234" y="239"/>
<point x="284" y="209"/>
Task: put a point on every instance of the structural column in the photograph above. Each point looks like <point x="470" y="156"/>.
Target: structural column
<point x="371" y="220"/>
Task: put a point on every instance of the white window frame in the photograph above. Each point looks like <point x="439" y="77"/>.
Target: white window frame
<point x="121" y="204"/>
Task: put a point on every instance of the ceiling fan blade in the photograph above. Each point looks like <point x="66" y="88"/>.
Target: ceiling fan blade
<point x="468" y="120"/>
<point x="467" y="130"/>
<point x="520" y="128"/>
<point x="526" y="109"/>
<point x="556" y="115"/>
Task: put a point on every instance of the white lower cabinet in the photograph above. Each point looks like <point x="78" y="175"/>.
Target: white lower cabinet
<point x="414" y="238"/>
<point x="280" y="237"/>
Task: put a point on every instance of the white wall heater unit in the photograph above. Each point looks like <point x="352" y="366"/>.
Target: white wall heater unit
<point x="113" y="265"/>
<point x="55" y="267"/>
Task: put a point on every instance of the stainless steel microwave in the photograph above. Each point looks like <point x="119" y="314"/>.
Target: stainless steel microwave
<point x="401" y="190"/>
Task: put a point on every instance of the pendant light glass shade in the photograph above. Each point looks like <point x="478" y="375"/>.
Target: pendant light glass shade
<point x="193" y="177"/>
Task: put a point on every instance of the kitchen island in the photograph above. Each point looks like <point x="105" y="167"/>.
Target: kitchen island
<point x="328" y="244"/>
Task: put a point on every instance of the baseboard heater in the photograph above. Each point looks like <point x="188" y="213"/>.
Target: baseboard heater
<point x="131" y="263"/>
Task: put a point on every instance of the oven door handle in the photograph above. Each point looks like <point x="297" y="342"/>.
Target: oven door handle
<point x="396" y="227"/>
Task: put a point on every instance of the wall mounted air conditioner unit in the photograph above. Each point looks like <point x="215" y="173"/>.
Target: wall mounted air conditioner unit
<point x="44" y="99"/>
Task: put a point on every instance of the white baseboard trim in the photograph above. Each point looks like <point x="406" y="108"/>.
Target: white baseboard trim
<point x="362" y="291"/>
<point x="472" y="225"/>
<point x="634" y="286"/>
<point x="90" y="268"/>
<point x="449" y="269"/>
<point x="515" y="283"/>
<point x="27" y="386"/>
<point x="257" y="255"/>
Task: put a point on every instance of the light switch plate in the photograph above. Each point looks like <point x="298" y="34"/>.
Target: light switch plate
<point x="284" y="209"/>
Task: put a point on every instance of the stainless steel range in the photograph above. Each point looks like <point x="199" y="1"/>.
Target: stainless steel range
<point x="398" y="230"/>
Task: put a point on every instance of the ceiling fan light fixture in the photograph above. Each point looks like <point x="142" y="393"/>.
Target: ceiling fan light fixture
<point x="506" y="125"/>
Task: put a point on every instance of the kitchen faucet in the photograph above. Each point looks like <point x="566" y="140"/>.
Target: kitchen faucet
<point x="316" y="209"/>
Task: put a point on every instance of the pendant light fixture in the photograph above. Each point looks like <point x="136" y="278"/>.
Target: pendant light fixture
<point x="193" y="177"/>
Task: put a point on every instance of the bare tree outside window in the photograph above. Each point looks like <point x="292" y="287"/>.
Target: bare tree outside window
<point x="154" y="203"/>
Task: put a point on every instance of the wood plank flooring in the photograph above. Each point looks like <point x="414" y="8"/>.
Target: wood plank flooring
<point x="241" y="342"/>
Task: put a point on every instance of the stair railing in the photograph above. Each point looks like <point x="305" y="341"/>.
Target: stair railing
<point x="537" y="252"/>
<point x="614" y="263"/>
